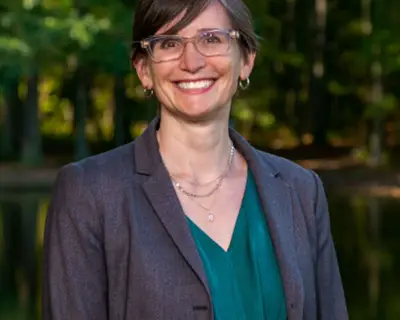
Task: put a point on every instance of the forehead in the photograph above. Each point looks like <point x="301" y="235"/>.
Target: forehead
<point x="214" y="16"/>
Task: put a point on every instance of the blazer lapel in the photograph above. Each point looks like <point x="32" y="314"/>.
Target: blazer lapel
<point x="276" y="202"/>
<point x="277" y="207"/>
<point x="161" y="194"/>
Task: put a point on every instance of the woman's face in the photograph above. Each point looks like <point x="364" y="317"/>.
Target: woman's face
<point x="195" y="86"/>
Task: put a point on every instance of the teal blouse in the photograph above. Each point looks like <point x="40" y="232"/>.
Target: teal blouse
<point x="245" y="281"/>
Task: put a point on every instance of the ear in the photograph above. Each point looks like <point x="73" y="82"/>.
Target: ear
<point x="142" y="66"/>
<point x="247" y="65"/>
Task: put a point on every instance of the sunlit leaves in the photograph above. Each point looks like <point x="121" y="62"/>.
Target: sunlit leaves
<point x="266" y="120"/>
<point x="13" y="46"/>
<point x="29" y="4"/>
<point x="83" y="29"/>
<point x="34" y="34"/>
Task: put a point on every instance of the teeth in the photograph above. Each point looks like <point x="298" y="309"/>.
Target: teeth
<point x="203" y="84"/>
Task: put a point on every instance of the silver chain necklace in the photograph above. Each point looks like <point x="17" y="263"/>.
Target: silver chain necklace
<point x="210" y="214"/>
<point x="218" y="179"/>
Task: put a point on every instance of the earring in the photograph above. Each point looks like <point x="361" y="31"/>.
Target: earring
<point x="244" y="84"/>
<point x="148" y="93"/>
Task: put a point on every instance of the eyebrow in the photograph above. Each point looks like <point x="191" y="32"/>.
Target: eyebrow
<point x="198" y="30"/>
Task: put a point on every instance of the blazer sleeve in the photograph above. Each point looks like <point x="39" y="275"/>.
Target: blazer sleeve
<point x="330" y="296"/>
<point x="74" y="272"/>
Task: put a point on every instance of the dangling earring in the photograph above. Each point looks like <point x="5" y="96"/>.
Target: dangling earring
<point x="244" y="84"/>
<point x="148" y="93"/>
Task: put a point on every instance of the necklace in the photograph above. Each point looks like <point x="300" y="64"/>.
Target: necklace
<point x="219" y="180"/>
<point x="210" y="214"/>
<point x="195" y="183"/>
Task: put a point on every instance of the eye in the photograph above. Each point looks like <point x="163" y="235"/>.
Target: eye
<point x="212" y="38"/>
<point x="168" y="43"/>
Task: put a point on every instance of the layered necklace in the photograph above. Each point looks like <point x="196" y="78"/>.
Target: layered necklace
<point x="193" y="196"/>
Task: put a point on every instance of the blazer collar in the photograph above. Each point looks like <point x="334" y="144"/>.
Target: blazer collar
<point x="274" y="195"/>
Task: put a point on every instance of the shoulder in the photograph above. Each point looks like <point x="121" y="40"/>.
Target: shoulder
<point x="113" y="160"/>
<point x="294" y="175"/>
<point x="305" y="185"/>
<point x="105" y="170"/>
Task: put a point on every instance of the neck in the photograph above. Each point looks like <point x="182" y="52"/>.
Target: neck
<point x="195" y="151"/>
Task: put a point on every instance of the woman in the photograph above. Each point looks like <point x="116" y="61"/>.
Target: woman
<point x="189" y="221"/>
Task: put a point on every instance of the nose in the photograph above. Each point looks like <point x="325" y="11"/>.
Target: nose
<point x="192" y="60"/>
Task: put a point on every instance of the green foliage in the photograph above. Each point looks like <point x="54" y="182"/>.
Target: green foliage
<point x="382" y="108"/>
<point x="61" y="37"/>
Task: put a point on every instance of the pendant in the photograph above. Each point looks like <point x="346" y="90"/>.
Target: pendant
<point x="210" y="217"/>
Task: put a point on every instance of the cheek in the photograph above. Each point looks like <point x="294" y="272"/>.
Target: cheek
<point x="231" y="77"/>
<point x="228" y="68"/>
<point x="159" y="73"/>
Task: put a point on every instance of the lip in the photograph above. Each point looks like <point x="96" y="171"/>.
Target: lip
<point x="195" y="91"/>
<point x="194" y="80"/>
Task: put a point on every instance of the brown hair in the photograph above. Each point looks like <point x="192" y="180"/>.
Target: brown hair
<point x="151" y="15"/>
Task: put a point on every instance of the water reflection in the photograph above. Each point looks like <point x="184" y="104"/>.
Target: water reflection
<point x="21" y="236"/>
<point x="367" y="240"/>
<point x="365" y="232"/>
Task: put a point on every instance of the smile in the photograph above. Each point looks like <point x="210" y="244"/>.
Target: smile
<point x="195" y="85"/>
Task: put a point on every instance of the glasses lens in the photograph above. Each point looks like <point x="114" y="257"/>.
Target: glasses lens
<point x="166" y="48"/>
<point x="213" y="43"/>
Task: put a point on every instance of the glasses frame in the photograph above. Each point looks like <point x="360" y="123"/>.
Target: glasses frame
<point x="145" y="43"/>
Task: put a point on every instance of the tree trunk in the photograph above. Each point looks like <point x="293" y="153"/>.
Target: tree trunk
<point x="11" y="135"/>
<point x="32" y="145"/>
<point x="80" y="108"/>
<point x="17" y="116"/>
<point x="6" y="135"/>
<point x="293" y="73"/>
<point x="372" y="25"/>
<point x="376" y="135"/>
<point x="119" y="110"/>
<point x="318" y="92"/>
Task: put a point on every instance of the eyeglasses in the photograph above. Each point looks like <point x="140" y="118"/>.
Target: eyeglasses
<point x="209" y="43"/>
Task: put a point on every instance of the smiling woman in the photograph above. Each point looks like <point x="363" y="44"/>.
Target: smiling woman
<point x="194" y="73"/>
<point x="189" y="221"/>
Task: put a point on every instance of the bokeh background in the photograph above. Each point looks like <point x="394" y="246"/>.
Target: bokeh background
<point x="325" y="92"/>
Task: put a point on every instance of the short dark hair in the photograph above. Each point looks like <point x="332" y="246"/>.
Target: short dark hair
<point x="151" y="15"/>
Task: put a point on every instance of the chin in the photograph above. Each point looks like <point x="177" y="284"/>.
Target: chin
<point x="194" y="114"/>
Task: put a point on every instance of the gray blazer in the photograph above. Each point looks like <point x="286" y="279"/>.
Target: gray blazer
<point x="117" y="245"/>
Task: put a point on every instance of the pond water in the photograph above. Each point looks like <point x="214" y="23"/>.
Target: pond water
<point x="365" y="230"/>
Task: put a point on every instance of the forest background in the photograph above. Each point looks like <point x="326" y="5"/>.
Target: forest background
<point x="326" y="78"/>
